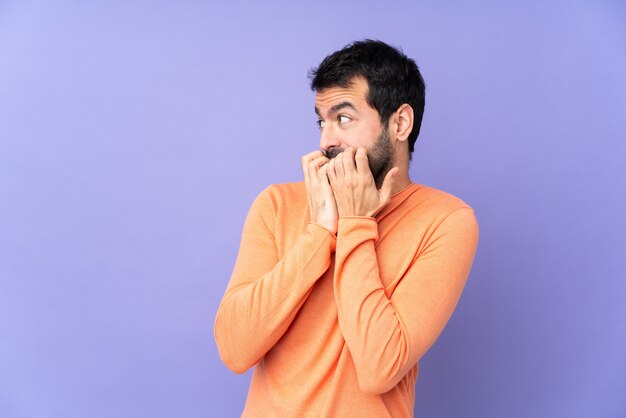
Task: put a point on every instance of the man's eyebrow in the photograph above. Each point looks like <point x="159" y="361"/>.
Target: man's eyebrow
<point x="336" y="108"/>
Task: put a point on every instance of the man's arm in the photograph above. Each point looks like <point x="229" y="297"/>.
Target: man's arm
<point x="265" y="292"/>
<point x="386" y="336"/>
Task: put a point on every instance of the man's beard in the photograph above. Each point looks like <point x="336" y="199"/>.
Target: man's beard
<point x="379" y="156"/>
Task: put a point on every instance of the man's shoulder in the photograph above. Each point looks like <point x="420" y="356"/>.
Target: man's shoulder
<point x="288" y="189"/>
<point x="429" y="205"/>
<point x="437" y="199"/>
<point x="282" y="196"/>
<point x="289" y="192"/>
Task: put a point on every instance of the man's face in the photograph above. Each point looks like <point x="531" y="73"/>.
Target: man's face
<point x="347" y="120"/>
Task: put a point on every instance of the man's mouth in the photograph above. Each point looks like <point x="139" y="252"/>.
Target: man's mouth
<point x="331" y="153"/>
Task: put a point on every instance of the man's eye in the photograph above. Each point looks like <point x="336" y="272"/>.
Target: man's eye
<point x="343" y="119"/>
<point x="320" y="123"/>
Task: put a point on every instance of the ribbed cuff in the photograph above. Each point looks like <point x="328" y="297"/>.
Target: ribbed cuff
<point x="357" y="228"/>
<point x="320" y="232"/>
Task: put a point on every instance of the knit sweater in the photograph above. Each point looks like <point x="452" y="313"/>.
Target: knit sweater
<point x="334" y="325"/>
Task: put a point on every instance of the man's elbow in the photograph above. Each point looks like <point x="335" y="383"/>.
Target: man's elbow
<point x="238" y="367"/>
<point x="378" y="377"/>
<point x="376" y="385"/>
<point x="232" y="358"/>
<point x="236" y="362"/>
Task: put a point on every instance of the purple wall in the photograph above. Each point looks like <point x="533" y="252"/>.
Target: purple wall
<point x="133" y="139"/>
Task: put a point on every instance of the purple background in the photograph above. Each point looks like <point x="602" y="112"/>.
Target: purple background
<point x="133" y="138"/>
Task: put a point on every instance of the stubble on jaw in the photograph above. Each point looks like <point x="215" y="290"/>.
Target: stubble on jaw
<point x="379" y="156"/>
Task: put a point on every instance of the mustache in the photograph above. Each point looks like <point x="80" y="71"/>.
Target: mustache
<point x="332" y="152"/>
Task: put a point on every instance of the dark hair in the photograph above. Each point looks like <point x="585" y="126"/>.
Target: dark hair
<point x="392" y="77"/>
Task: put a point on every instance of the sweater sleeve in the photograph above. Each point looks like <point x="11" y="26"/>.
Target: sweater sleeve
<point x="265" y="292"/>
<point x="386" y="336"/>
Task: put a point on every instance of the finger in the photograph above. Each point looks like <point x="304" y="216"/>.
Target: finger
<point x="314" y="173"/>
<point x="339" y="164"/>
<point x="349" y="165"/>
<point x="331" y="166"/>
<point x="320" y="161"/>
<point x="307" y="158"/>
<point x="312" y="155"/>
<point x="330" y="171"/>
<point x="387" y="187"/>
<point x="312" y="169"/>
<point x="305" y="171"/>
<point x="326" y="184"/>
<point x="324" y="180"/>
<point x="311" y="189"/>
<point x="362" y="163"/>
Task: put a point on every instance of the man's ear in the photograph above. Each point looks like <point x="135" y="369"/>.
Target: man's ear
<point x="402" y="122"/>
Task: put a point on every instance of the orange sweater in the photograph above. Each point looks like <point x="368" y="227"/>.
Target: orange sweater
<point x="335" y="325"/>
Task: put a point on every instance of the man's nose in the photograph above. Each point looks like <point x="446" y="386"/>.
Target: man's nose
<point x="329" y="139"/>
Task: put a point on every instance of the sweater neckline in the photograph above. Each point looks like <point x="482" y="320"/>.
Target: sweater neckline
<point x="397" y="199"/>
<point x="404" y="190"/>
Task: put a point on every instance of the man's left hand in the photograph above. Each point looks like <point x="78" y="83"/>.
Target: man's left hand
<point x="354" y="187"/>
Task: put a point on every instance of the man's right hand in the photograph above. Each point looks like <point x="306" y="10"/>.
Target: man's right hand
<point x="321" y="200"/>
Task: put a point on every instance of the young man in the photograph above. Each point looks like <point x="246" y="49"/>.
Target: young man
<point x="345" y="280"/>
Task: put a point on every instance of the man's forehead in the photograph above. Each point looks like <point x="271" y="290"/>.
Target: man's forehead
<point x="355" y="95"/>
